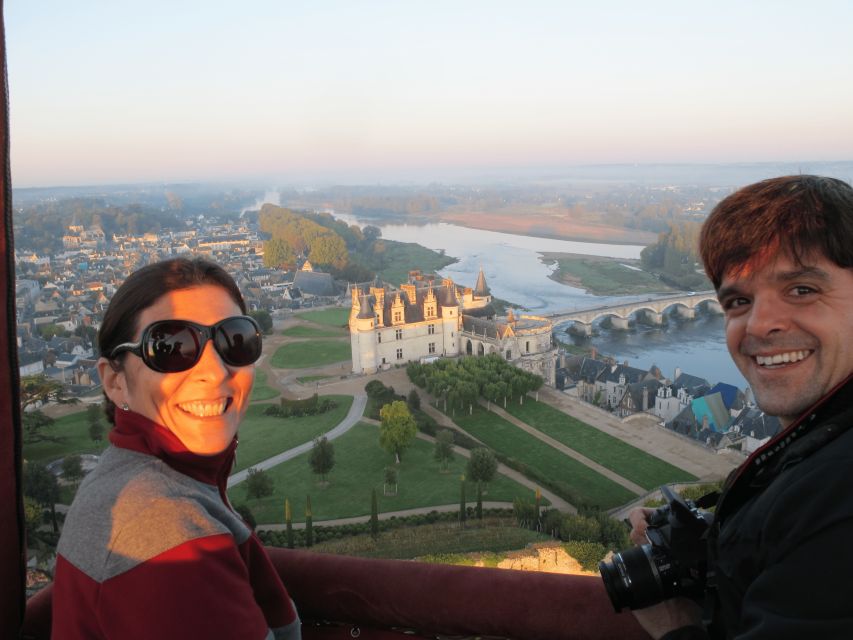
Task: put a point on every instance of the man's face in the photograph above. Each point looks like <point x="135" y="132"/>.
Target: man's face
<point x="789" y="329"/>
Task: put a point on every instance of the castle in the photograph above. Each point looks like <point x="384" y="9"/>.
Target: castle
<point x="423" y="320"/>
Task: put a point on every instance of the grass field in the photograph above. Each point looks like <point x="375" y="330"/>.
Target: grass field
<point x="603" y="276"/>
<point x="263" y="436"/>
<point x="337" y="317"/>
<point x="437" y="541"/>
<point x="307" y="331"/>
<point x="260" y="390"/>
<point x="401" y="257"/>
<point x="500" y="435"/>
<point x="74" y="431"/>
<point x="311" y="353"/>
<point x="628" y="461"/>
<point x="359" y="466"/>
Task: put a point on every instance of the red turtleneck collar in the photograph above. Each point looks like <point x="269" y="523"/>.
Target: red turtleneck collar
<point x="137" y="433"/>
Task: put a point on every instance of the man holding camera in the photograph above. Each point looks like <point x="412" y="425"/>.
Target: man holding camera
<point x="780" y="550"/>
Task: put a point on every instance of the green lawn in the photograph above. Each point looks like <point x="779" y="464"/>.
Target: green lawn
<point x="74" y="431"/>
<point x="359" y="465"/>
<point x="603" y="276"/>
<point x="260" y="390"/>
<point x="311" y="353"/>
<point x="307" y="331"/>
<point x="262" y="437"/>
<point x="337" y="317"/>
<point x="628" y="461"/>
<point x="500" y="435"/>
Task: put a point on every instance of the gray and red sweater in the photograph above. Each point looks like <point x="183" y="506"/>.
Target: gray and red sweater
<point x="152" y="549"/>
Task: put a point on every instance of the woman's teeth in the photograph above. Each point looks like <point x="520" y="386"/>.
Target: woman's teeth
<point x="780" y="358"/>
<point x="205" y="409"/>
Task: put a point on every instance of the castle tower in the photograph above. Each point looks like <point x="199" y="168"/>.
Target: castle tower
<point x="481" y="289"/>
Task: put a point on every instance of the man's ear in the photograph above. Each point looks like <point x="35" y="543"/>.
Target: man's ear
<point x="113" y="380"/>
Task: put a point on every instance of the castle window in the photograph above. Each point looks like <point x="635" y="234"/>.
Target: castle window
<point x="399" y="354"/>
<point x="430" y="329"/>
<point x="399" y="334"/>
<point x="383" y="360"/>
<point x="527" y="346"/>
<point x="508" y="354"/>
<point x="398" y="316"/>
<point x="432" y="347"/>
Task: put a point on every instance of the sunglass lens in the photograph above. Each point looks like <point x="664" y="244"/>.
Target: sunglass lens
<point x="172" y="346"/>
<point x="238" y="342"/>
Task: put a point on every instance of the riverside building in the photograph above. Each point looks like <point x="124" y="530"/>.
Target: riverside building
<point x="424" y="319"/>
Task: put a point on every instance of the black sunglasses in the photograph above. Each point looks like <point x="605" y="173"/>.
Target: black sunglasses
<point x="170" y="346"/>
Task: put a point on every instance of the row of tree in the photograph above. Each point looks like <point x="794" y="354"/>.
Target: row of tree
<point x="675" y="255"/>
<point x="461" y="382"/>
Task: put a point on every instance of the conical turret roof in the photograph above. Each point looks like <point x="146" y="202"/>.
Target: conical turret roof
<point x="481" y="288"/>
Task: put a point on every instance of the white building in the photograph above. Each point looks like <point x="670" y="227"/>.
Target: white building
<point x="423" y="319"/>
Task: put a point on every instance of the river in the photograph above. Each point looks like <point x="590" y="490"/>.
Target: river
<point x="515" y="272"/>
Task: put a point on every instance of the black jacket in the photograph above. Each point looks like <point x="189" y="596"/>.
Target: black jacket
<point x="782" y="541"/>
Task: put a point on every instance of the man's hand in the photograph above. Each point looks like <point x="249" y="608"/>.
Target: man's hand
<point x="639" y="519"/>
<point x="669" y="615"/>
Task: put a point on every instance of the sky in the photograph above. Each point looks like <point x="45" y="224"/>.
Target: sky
<point x="286" y="91"/>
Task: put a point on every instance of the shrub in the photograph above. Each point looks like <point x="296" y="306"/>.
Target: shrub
<point x="588" y="554"/>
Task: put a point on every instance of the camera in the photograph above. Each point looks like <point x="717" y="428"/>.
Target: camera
<point x="673" y="563"/>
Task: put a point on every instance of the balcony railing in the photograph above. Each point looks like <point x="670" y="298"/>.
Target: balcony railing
<point x="346" y="597"/>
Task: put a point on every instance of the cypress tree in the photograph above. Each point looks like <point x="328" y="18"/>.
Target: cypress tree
<point x="288" y="522"/>
<point x="374" y="514"/>
<point x="462" y="506"/>
<point x="309" y="526"/>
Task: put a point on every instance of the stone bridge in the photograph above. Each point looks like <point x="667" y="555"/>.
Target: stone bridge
<point x="683" y="305"/>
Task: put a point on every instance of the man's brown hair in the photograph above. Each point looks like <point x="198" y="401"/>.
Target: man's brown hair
<point x="798" y="215"/>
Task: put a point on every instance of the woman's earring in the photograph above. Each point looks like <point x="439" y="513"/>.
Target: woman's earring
<point x="124" y="407"/>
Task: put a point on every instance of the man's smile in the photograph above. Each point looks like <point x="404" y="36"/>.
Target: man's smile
<point x="777" y="359"/>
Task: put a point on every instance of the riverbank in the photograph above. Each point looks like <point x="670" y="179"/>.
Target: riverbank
<point x="602" y="276"/>
<point x="555" y="223"/>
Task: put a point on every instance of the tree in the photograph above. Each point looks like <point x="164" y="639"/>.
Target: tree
<point x="397" y="429"/>
<point x="444" y="448"/>
<point x="38" y="390"/>
<point x="49" y="330"/>
<point x="390" y="479"/>
<point x="96" y="426"/>
<point x="322" y="458"/>
<point x="288" y="522"/>
<point x="309" y="523"/>
<point x="462" y="506"/>
<point x="72" y="468"/>
<point x="374" y="514"/>
<point x="41" y="485"/>
<point x="413" y="400"/>
<point x="246" y="513"/>
<point x="278" y="254"/>
<point x="258" y="484"/>
<point x="482" y="465"/>
<point x="264" y="320"/>
<point x="36" y="426"/>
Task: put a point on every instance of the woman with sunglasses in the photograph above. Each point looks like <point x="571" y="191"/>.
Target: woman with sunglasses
<point x="151" y="548"/>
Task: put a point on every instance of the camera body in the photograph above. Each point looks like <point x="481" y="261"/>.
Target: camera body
<point x="673" y="563"/>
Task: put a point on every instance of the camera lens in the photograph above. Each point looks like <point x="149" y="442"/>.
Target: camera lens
<point x="633" y="579"/>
